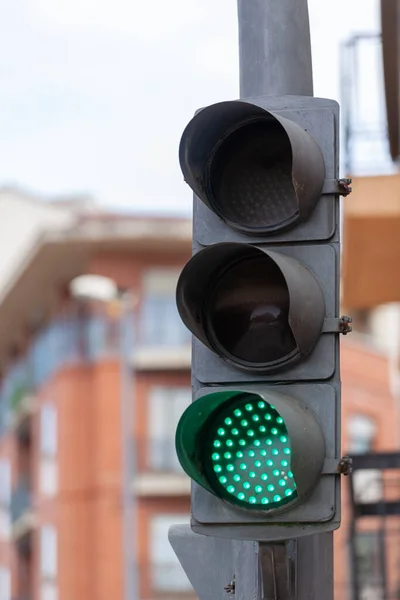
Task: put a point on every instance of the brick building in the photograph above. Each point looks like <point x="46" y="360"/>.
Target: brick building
<point x="60" y="443"/>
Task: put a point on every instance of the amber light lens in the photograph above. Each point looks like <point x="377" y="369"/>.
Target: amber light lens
<point x="248" y="312"/>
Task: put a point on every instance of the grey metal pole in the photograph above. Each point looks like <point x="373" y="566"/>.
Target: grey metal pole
<point x="275" y="59"/>
<point x="128" y="451"/>
<point x="274" y="48"/>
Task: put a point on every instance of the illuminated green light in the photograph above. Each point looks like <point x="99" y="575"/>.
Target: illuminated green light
<point x="252" y="458"/>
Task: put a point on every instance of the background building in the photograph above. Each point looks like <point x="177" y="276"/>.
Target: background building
<point x="60" y="442"/>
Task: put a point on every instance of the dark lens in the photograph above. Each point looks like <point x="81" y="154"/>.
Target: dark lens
<point x="251" y="176"/>
<point x="249" y="308"/>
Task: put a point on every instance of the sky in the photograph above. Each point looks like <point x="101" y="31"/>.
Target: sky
<point x="94" y="94"/>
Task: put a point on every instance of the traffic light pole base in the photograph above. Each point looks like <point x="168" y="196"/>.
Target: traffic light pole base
<point x="220" y="568"/>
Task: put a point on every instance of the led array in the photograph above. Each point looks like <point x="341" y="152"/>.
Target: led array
<point x="250" y="455"/>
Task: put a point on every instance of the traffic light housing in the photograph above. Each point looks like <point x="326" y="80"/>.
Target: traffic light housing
<point x="261" y="440"/>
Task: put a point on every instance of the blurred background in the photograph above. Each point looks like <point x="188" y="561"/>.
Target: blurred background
<point x="94" y="96"/>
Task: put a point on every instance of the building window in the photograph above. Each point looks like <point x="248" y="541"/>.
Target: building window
<point x="160" y="321"/>
<point x="48" y="591"/>
<point x="48" y="552"/>
<point x="48" y="430"/>
<point x="368" y="557"/>
<point x="167" y="573"/>
<point x="165" y="406"/>
<point x="361" y="431"/>
<point x="48" y="477"/>
<point x="5" y="483"/>
<point x="5" y="583"/>
<point x="367" y="483"/>
<point x="5" y="499"/>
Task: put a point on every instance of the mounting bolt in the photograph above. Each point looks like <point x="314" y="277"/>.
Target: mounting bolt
<point x="344" y="325"/>
<point x="344" y="186"/>
<point x="230" y="588"/>
<point x="345" y="465"/>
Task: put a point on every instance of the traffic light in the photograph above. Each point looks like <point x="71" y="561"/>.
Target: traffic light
<point x="261" y="439"/>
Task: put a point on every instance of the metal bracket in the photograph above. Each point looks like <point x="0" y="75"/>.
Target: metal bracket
<point x="333" y="466"/>
<point x="274" y="572"/>
<point x="337" y="186"/>
<point x="336" y="325"/>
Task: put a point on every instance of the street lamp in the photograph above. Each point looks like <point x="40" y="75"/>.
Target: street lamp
<point x="104" y="289"/>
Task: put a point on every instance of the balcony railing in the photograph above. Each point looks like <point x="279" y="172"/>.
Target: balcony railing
<point x="20" y="500"/>
<point x="74" y="340"/>
<point x="161" y="455"/>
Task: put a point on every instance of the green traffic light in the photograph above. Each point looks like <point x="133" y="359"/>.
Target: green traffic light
<point x="253" y="468"/>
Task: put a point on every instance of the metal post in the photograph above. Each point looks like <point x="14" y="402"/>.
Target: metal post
<point x="275" y="59"/>
<point x="274" y="48"/>
<point x="128" y="467"/>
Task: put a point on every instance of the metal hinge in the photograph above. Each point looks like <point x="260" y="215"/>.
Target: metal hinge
<point x="333" y="466"/>
<point x="337" y="186"/>
<point x="338" y="325"/>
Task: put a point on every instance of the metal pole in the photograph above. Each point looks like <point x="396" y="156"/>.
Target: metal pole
<point x="275" y="59"/>
<point x="128" y="467"/>
<point x="274" y="48"/>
